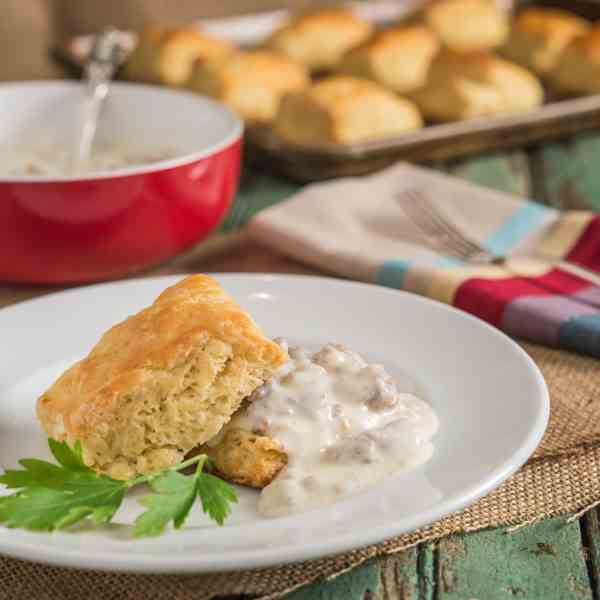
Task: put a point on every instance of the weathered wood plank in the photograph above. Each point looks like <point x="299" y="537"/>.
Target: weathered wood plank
<point x="505" y="171"/>
<point x="399" y="577"/>
<point x="427" y="567"/>
<point x="358" y="584"/>
<point x="590" y="528"/>
<point x="258" y="190"/>
<point x="408" y="575"/>
<point x="567" y="172"/>
<point x="542" y="561"/>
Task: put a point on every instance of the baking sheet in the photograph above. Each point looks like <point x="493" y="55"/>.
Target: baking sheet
<point x="556" y="118"/>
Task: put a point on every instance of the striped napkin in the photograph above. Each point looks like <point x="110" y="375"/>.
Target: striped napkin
<point x="356" y="227"/>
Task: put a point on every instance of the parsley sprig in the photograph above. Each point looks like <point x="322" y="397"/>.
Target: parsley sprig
<point x="50" y="496"/>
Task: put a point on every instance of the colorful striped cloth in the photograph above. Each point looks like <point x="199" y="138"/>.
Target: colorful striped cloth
<point x="356" y="227"/>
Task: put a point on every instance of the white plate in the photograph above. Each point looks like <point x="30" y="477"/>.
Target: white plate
<point x="491" y="399"/>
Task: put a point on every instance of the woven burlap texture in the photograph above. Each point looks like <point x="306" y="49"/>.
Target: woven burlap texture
<point x="562" y="477"/>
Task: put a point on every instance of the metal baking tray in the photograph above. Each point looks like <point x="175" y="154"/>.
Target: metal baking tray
<point x="433" y="142"/>
<point x="558" y="117"/>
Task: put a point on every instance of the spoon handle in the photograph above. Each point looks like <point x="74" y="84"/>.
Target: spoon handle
<point x="106" y="56"/>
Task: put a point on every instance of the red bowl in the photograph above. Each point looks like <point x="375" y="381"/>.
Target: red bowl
<point x="106" y="224"/>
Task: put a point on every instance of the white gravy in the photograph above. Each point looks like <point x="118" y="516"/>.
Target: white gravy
<point x="343" y="423"/>
<point x="55" y="161"/>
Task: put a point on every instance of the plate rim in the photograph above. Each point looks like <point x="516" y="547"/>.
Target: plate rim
<point x="15" y="543"/>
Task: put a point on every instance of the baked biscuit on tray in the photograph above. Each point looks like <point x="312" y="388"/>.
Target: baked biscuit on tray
<point x="396" y="58"/>
<point x="480" y="84"/>
<point x="250" y="83"/>
<point x="320" y="39"/>
<point x="467" y="25"/>
<point x="539" y="37"/>
<point x="578" y="70"/>
<point x="343" y="109"/>
<point x="166" y="56"/>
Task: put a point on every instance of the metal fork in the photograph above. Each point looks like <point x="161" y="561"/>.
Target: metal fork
<point x="441" y="234"/>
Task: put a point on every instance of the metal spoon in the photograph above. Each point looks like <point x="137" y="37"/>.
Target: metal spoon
<point x="106" y="56"/>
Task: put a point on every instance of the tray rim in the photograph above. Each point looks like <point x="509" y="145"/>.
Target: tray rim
<point x="264" y="137"/>
<point x="557" y="117"/>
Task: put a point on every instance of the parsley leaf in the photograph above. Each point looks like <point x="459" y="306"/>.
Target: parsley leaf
<point x="175" y="496"/>
<point x="215" y="496"/>
<point x="50" y="496"/>
<point x="70" y="458"/>
<point x="40" y="473"/>
<point x="45" y="509"/>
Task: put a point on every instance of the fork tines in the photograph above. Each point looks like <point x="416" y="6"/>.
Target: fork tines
<point x="425" y="215"/>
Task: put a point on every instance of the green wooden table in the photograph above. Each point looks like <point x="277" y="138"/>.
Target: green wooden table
<point x="551" y="560"/>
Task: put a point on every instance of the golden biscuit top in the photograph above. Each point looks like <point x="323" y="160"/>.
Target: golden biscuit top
<point x="340" y="90"/>
<point x="409" y="39"/>
<point x="260" y="65"/>
<point x="319" y="39"/>
<point x="344" y="109"/>
<point x="457" y="10"/>
<point x="468" y="24"/>
<point x="588" y="45"/>
<point x="550" y="22"/>
<point x="185" y="36"/>
<point x="331" y="19"/>
<point x="482" y="66"/>
<point x="474" y="64"/>
<point x="183" y="317"/>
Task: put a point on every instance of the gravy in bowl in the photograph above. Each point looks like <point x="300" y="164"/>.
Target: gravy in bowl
<point x="56" y="161"/>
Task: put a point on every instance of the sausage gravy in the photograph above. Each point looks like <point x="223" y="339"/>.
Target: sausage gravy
<point x="344" y="424"/>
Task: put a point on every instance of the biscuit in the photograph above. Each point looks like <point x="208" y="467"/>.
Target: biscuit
<point x="320" y="39"/>
<point x="396" y="58"/>
<point x="166" y="56"/>
<point x="467" y="25"/>
<point x="345" y="110"/>
<point x="578" y="70"/>
<point x="250" y="83"/>
<point x="539" y="37"/>
<point x="161" y="382"/>
<point x="246" y="458"/>
<point x="463" y="86"/>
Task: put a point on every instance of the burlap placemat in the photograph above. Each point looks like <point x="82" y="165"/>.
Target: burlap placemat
<point x="562" y="477"/>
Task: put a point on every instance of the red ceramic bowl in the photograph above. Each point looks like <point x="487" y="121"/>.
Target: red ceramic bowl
<point x="106" y="224"/>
